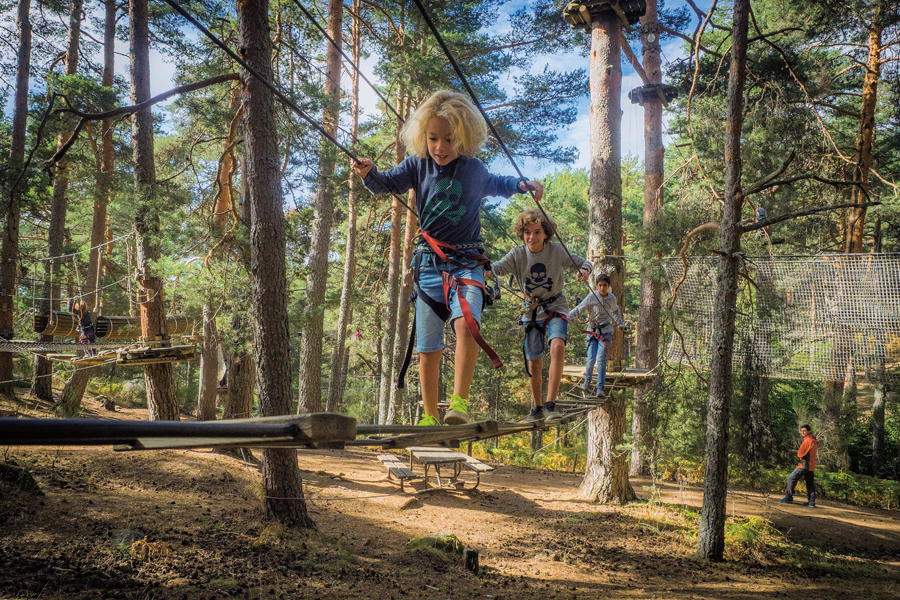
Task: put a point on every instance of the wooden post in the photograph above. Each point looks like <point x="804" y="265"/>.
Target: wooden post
<point x="471" y="558"/>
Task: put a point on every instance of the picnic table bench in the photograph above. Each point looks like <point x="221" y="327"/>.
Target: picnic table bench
<point x="453" y="462"/>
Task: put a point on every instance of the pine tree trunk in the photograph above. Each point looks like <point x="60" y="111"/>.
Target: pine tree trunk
<point x="41" y="381"/>
<point x="389" y="341"/>
<point x="715" y="483"/>
<point x="209" y="367"/>
<point x="758" y="430"/>
<point x="317" y="278"/>
<point x="865" y="134"/>
<point x="606" y="472"/>
<point x="9" y="250"/>
<point x="345" y="314"/>
<point x="241" y="380"/>
<point x="69" y="404"/>
<point x="878" y="430"/>
<point x="160" y="378"/>
<point x="281" y="474"/>
<point x="403" y="309"/>
<point x="643" y="421"/>
<point x="73" y="391"/>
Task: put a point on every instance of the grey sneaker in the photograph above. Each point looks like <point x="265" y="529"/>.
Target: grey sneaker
<point x="537" y="414"/>
<point x="585" y="385"/>
<point x="551" y="415"/>
<point x="598" y="392"/>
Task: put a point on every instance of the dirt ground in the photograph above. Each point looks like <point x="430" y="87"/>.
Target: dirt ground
<point x="206" y="538"/>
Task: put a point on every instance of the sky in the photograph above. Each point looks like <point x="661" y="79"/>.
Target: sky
<point x="577" y="134"/>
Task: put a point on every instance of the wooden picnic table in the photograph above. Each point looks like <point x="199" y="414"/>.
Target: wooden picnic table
<point x="446" y="458"/>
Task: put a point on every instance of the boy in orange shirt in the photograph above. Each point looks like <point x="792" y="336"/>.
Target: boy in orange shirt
<point x="806" y="468"/>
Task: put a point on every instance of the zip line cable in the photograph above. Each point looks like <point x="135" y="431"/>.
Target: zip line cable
<point x="496" y="135"/>
<point x="374" y="89"/>
<point x="112" y="241"/>
<point x="301" y="113"/>
<point x="347" y="58"/>
<point x="273" y="88"/>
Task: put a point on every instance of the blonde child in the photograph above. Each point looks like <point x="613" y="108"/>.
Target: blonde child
<point x="443" y="136"/>
<point x="538" y="266"/>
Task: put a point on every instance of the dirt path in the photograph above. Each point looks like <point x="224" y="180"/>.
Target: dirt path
<point x="537" y="539"/>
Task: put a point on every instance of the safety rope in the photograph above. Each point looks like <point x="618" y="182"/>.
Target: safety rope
<point x="274" y="89"/>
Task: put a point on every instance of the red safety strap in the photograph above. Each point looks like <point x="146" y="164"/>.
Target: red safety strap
<point x="451" y="282"/>
<point x="436" y="246"/>
<point x="599" y="337"/>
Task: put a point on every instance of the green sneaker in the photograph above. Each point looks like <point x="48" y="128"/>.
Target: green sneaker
<point x="456" y="414"/>
<point x="427" y="421"/>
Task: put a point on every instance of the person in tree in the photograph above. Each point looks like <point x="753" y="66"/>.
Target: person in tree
<point x="82" y="315"/>
<point x="602" y="309"/>
<point x="443" y="136"/>
<point x="805" y="469"/>
<point x="538" y="267"/>
<point x="761" y="218"/>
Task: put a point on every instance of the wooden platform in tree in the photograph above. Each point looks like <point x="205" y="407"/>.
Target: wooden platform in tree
<point x="621" y="378"/>
<point x="148" y="355"/>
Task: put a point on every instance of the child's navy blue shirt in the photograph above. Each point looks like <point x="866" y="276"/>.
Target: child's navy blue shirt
<point x="448" y="198"/>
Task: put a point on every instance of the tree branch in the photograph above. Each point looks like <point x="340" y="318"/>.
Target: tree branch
<point x="808" y="211"/>
<point x="688" y="39"/>
<point x="761" y="184"/>
<point x="623" y="42"/>
<point x="763" y="36"/>
<point x="125" y="110"/>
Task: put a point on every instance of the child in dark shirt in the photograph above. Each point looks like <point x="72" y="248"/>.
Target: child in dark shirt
<point x="443" y="136"/>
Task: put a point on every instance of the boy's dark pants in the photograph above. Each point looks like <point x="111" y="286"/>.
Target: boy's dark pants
<point x="810" y="484"/>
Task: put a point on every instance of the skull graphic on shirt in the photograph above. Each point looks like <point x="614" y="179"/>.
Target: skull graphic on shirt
<point x="537" y="279"/>
<point x="446" y="201"/>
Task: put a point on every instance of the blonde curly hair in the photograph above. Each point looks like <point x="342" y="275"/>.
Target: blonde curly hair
<point x="468" y="129"/>
<point x="533" y="216"/>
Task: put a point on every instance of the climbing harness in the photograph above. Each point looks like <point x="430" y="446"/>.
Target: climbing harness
<point x="532" y="324"/>
<point x="473" y="255"/>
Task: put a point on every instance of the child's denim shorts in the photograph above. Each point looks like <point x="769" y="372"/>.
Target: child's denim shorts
<point x="534" y="339"/>
<point x="429" y="326"/>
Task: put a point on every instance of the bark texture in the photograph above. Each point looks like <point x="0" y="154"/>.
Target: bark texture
<point x="878" y="431"/>
<point x="403" y="309"/>
<point x="41" y="380"/>
<point x="281" y="474"/>
<point x="209" y="367"/>
<point x="9" y="248"/>
<point x="160" y="378"/>
<point x="73" y="391"/>
<point x="317" y="278"/>
<point x="715" y="484"/>
<point x="643" y="420"/>
<point x="345" y="313"/>
<point x="389" y="339"/>
<point x="866" y="133"/>
<point x="606" y="472"/>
